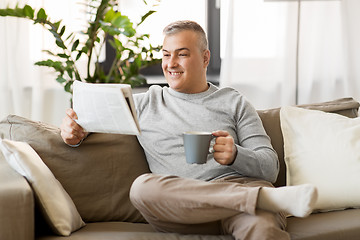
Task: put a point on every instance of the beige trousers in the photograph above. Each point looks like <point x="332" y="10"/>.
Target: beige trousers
<point x="189" y="206"/>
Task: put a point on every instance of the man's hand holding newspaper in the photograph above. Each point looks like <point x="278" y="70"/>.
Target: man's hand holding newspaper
<point x="106" y="108"/>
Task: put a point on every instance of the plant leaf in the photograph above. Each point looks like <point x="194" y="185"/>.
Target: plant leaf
<point x="67" y="86"/>
<point x="78" y="55"/>
<point x="75" y="45"/>
<point x="121" y="22"/>
<point x="49" y="52"/>
<point x="70" y="72"/>
<point x="57" y="65"/>
<point x="60" y="79"/>
<point x="70" y="35"/>
<point x="57" y="25"/>
<point x="60" y="44"/>
<point x="129" y="32"/>
<point x="145" y="16"/>
<point x="16" y="12"/>
<point x="111" y="30"/>
<point x="63" y="55"/>
<point x="41" y="14"/>
<point x="28" y="11"/>
<point x="109" y="16"/>
<point x="62" y="31"/>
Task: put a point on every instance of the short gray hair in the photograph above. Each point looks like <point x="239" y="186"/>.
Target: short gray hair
<point x="182" y="25"/>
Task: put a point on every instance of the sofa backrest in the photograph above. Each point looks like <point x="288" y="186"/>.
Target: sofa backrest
<point x="271" y="121"/>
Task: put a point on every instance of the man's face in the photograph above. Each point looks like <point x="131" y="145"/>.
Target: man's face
<point x="184" y="63"/>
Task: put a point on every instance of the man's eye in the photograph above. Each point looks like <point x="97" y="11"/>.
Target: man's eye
<point x="183" y="54"/>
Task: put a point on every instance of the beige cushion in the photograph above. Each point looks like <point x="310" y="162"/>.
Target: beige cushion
<point x="323" y="149"/>
<point x="271" y="121"/>
<point x="54" y="201"/>
<point x="97" y="175"/>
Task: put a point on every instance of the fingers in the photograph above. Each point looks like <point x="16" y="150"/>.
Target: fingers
<point x="220" y="133"/>
<point x="225" y="149"/>
<point x="71" y="113"/>
<point x="71" y="132"/>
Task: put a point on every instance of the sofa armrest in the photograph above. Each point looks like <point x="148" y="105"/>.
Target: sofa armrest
<point x="16" y="205"/>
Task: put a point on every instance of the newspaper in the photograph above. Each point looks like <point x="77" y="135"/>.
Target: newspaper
<point x="105" y="108"/>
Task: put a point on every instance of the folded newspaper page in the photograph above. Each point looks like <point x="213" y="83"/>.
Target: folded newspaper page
<point x="105" y="108"/>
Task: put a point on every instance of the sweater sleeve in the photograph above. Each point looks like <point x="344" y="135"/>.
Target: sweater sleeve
<point x="255" y="154"/>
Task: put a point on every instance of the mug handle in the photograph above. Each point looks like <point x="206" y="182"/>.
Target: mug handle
<point x="212" y="143"/>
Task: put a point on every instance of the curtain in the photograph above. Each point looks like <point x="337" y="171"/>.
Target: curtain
<point x="25" y="89"/>
<point x="14" y="79"/>
<point x="284" y="53"/>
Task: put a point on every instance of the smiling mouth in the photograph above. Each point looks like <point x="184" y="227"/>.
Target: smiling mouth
<point x="175" y="73"/>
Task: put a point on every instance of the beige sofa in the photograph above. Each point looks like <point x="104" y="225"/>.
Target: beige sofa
<point x="98" y="174"/>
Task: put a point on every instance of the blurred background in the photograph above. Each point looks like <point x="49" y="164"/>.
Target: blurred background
<point x="275" y="52"/>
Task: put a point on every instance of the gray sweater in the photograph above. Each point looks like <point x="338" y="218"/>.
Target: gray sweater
<point x="165" y="114"/>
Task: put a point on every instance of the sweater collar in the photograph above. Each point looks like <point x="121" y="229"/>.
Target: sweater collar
<point x="189" y="96"/>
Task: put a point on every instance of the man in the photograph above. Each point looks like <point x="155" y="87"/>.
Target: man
<point x="231" y="193"/>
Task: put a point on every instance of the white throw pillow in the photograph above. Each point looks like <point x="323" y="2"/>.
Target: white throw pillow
<point x="56" y="204"/>
<point x="323" y="149"/>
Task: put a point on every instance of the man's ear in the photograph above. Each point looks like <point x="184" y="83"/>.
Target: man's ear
<point x="206" y="56"/>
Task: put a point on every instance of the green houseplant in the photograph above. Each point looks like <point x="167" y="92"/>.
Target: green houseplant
<point x="132" y="50"/>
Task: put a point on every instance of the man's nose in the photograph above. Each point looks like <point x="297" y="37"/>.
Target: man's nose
<point x="173" y="62"/>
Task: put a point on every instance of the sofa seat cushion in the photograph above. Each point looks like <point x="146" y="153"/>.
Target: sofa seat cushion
<point x="97" y="175"/>
<point x="127" y="231"/>
<point x="336" y="225"/>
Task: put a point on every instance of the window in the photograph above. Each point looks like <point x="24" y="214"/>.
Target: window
<point x="205" y="12"/>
